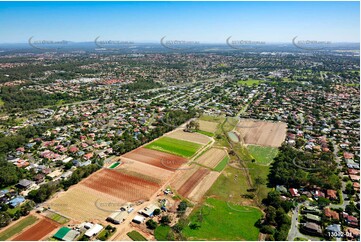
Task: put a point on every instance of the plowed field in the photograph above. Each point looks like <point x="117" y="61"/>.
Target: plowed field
<point x="37" y="231"/>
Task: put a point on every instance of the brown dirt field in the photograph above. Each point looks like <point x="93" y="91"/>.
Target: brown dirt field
<point x="156" y="158"/>
<point x="193" y="181"/>
<point x="146" y="171"/>
<point x="37" y="231"/>
<point x="182" y="176"/>
<point x="207" y="126"/>
<point x="211" y="157"/>
<point x="198" y="192"/>
<point x="191" y="137"/>
<point x="120" y="185"/>
<point x="262" y="133"/>
<point x="84" y="204"/>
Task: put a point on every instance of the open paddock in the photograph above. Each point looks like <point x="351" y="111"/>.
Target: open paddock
<point x="94" y="198"/>
<point x="156" y="158"/>
<point x="192" y="182"/>
<point x="204" y="185"/>
<point x="84" y="204"/>
<point x="38" y="231"/>
<point x="120" y="185"/>
<point x="211" y="157"/>
<point x="188" y="136"/>
<point x="181" y="176"/>
<point x="208" y="126"/>
<point x="262" y="133"/>
<point x="147" y="171"/>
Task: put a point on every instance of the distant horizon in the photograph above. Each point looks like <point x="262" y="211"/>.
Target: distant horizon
<point x="158" y="42"/>
<point x="206" y="22"/>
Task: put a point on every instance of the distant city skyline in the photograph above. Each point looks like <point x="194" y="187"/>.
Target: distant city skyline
<point x="206" y="22"/>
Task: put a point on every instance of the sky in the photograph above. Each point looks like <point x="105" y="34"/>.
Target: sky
<point x="206" y="22"/>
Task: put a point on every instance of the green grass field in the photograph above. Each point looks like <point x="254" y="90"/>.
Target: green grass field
<point x="161" y="232"/>
<point x="17" y="228"/>
<point x="222" y="164"/>
<point x="174" y="146"/>
<point x="230" y="185"/>
<point x="57" y="217"/>
<point x="262" y="154"/>
<point x="250" y="82"/>
<point x="218" y="220"/>
<point x="2" y="103"/>
<point x="136" y="236"/>
<point x="262" y="171"/>
<point x="210" y="134"/>
<point x="115" y="164"/>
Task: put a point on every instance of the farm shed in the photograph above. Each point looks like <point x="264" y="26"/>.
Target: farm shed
<point x="148" y="211"/>
<point x="71" y="235"/>
<point x="94" y="230"/>
<point x="138" y="219"/>
<point x="117" y="217"/>
<point x="66" y="234"/>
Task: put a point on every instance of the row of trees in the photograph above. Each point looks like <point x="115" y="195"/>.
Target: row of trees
<point x="276" y="223"/>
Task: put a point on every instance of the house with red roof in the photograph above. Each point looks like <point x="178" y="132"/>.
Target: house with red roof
<point x="348" y="155"/>
<point x="73" y="149"/>
<point x="331" y="194"/>
<point x="331" y="214"/>
<point x="294" y="192"/>
<point x="88" y="156"/>
<point x="350" y="220"/>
